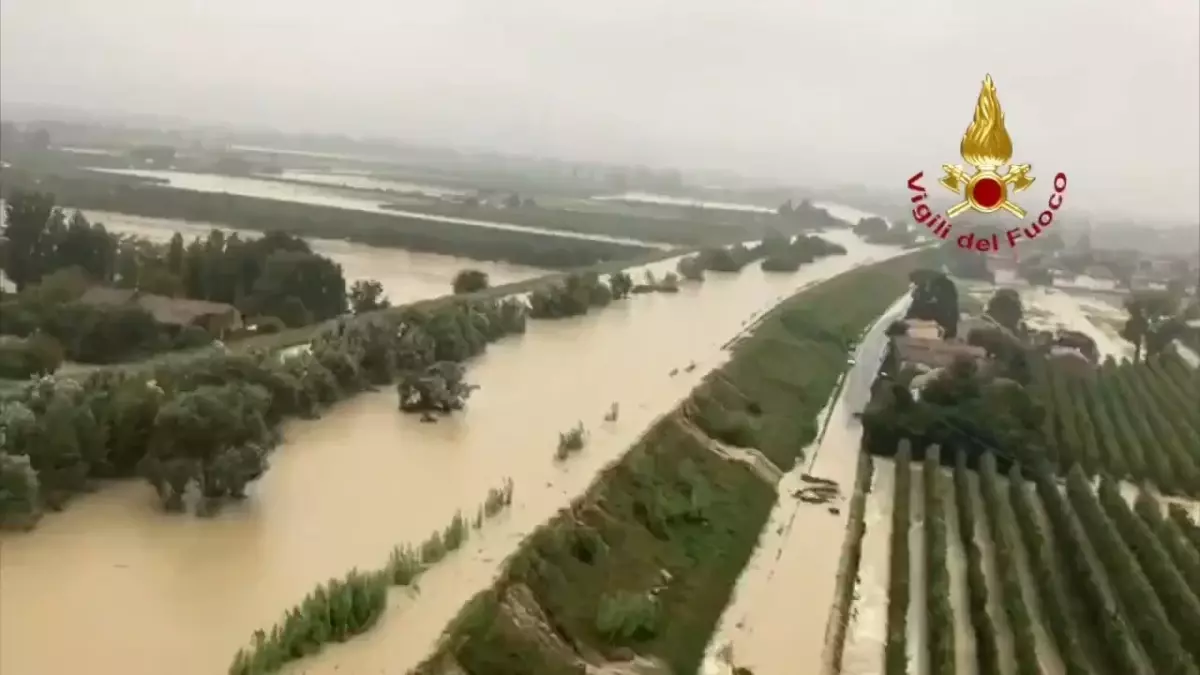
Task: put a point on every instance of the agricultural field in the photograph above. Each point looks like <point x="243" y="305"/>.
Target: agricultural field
<point x="1083" y="558"/>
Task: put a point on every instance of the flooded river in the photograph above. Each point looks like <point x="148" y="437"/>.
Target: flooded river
<point x="308" y="194"/>
<point x="112" y="585"/>
<point x="406" y="276"/>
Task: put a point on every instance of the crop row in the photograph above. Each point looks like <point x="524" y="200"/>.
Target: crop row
<point x="939" y="611"/>
<point x="1063" y="613"/>
<point x="1179" y="610"/>
<point x="896" y="649"/>
<point x="1133" y="421"/>
<point x="1004" y="546"/>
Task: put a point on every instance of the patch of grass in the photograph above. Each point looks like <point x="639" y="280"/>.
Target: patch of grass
<point x="339" y="609"/>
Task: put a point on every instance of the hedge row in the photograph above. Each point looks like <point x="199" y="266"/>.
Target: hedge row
<point x="852" y="554"/>
<point x="1182" y="609"/>
<point x="1004" y="546"/>
<point x="1058" y="602"/>
<point x="1135" y="421"/>
<point x="1089" y="582"/>
<point x="940" y="614"/>
<point x="1179" y="516"/>
<point x="1144" y="613"/>
<point x="1173" y="538"/>
<point x="896" y="650"/>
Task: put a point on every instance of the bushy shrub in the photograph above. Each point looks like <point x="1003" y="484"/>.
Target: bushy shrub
<point x="626" y="617"/>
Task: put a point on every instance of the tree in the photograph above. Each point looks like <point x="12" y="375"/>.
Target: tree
<point x="1005" y="307"/>
<point x="367" y="296"/>
<point x="292" y="312"/>
<point x="621" y="284"/>
<point x="470" y="281"/>
<point x="27" y="215"/>
<point x="1150" y="312"/>
<point x="935" y="298"/>
<point x="175" y="255"/>
<point x="315" y="280"/>
<point x="871" y="228"/>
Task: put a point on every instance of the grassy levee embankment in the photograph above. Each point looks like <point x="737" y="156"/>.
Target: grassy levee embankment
<point x="645" y="561"/>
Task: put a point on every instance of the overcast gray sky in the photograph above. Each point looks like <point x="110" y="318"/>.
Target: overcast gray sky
<point x="821" y="91"/>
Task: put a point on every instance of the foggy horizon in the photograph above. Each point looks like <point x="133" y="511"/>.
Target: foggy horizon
<point x="825" y="95"/>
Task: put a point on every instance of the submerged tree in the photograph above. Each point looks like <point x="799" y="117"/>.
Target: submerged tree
<point x="470" y="281"/>
<point x="440" y="387"/>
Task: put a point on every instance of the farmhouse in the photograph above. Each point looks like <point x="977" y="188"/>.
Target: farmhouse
<point x="933" y="352"/>
<point x="215" y="317"/>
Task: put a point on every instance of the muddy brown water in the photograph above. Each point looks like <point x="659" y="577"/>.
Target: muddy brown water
<point x="113" y="585"/>
<point x="995" y="606"/>
<point x="776" y="622"/>
<point x="1048" y="655"/>
<point x="918" y="615"/>
<point x="867" y="636"/>
<point x="966" y="662"/>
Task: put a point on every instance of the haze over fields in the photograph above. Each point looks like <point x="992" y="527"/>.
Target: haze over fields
<point x="824" y="92"/>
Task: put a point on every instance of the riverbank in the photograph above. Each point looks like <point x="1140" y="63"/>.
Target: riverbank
<point x="644" y="563"/>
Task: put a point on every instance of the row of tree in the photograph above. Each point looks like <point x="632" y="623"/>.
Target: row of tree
<point x="1062" y="613"/>
<point x="1127" y="420"/>
<point x="790" y="256"/>
<point x="1103" y="616"/>
<point x="1173" y="536"/>
<point x="876" y="230"/>
<point x="1182" y="608"/>
<point x="986" y="655"/>
<point x="1138" y="609"/>
<point x="895" y="653"/>
<point x="205" y="425"/>
<point x="53" y="260"/>
<point x="939" y="612"/>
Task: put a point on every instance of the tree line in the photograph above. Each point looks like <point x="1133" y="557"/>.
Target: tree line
<point x="52" y="260"/>
<point x="207" y="424"/>
<point x="1119" y="584"/>
<point x="1135" y="421"/>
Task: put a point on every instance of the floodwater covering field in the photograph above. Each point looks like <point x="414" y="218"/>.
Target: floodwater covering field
<point x="664" y="200"/>
<point x="367" y="182"/>
<point x="406" y="276"/>
<point x="308" y="194"/>
<point x="343" y="490"/>
<point x="867" y="636"/>
<point x="775" y="623"/>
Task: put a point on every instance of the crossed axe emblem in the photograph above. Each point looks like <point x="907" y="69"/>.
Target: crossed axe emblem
<point x="958" y="181"/>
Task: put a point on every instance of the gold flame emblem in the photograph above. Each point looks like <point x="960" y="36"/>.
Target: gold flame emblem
<point x="986" y="146"/>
